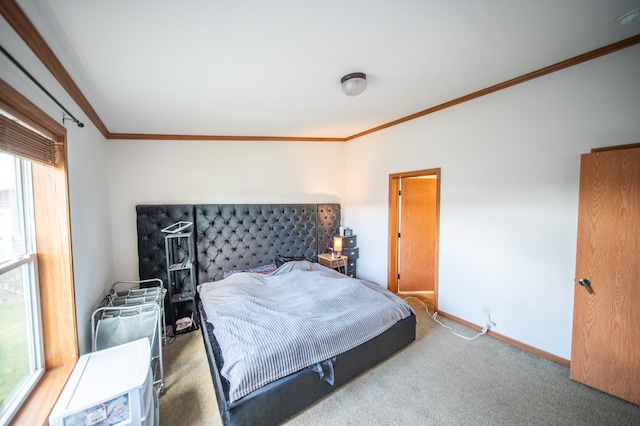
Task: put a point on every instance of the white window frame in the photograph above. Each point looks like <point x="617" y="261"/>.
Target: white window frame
<point x="29" y="262"/>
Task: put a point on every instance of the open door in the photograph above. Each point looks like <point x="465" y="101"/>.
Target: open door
<point x="417" y="234"/>
<point x="413" y="233"/>
<point x="605" y="351"/>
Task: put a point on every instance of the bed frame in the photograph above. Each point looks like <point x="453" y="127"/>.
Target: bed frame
<point x="242" y="236"/>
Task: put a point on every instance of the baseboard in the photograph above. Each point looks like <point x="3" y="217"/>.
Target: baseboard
<point x="535" y="351"/>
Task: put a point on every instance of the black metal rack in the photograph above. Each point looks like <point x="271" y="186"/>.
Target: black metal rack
<point x="180" y="249"/>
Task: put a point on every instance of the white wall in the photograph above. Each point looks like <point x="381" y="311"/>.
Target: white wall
<point x="191" y="172"/>
<point x="510" y="166"/>
<point x="88" y="185"/>
<point x="509" y="192"/>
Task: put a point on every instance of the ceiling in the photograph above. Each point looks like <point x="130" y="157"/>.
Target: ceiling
<point x="256" y="68"/>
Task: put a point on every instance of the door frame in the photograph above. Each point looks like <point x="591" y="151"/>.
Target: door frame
<point x="394" y="222"/>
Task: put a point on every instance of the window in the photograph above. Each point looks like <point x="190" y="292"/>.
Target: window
<point x="53" y="266"/>
<point x="21" y="355"/>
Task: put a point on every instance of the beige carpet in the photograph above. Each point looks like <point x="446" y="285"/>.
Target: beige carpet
<point x="440" y="379"/>
<point x="188" y="397"/>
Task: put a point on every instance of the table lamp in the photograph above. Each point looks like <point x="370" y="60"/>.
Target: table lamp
<point x="337" y="245"/>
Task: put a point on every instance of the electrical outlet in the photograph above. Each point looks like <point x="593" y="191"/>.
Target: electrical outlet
<point x="486" y="312"/>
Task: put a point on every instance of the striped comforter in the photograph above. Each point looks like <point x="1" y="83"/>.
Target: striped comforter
<point x="269" y="326"/>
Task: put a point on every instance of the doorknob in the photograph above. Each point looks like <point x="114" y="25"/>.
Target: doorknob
<point x="586" y="284"/>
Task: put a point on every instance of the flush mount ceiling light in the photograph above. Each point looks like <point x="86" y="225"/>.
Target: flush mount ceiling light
<point x="353" y="84"/>
<point x="628" y="17"/>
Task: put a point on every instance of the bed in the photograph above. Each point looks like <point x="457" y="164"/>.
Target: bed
<point x="234" y="238"/>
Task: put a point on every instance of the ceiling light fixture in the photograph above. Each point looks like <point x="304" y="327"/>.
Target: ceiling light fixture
<point x="353" y="84"/>
<point x="628" y="17"/>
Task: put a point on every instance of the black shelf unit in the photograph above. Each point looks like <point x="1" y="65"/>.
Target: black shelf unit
<point x="180" y="249"/>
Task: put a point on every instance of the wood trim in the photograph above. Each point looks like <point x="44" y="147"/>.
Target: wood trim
<point x="616" y="147"/>
<point x="145" y="136"/>
<point x="55" y="266"/>
<point x="576" y="60"/>
<point x="36" y="409"/>
<point x="14" y="15"/>
<point x="392" y="265"/>
<point x="623" y="44"/>
<point x="21" y="24"/>
<point x="512" y="342"/>
<point x="14" y="103"/>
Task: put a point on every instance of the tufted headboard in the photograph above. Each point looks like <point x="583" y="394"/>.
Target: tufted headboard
<point x="236" y="236"/>
<point x="151" y="219"/>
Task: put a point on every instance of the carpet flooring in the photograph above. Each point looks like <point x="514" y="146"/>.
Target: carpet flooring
<point x="440" y="379"/>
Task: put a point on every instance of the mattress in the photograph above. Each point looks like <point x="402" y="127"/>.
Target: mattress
<point x="338" y="352"/>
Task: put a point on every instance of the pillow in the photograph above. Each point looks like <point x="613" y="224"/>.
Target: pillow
<point x="264" y="269"/>
<point x="281" y="260"/>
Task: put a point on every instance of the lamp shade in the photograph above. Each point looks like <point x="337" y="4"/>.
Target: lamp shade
<point x="354" y="84"/>
<point x="337" y="244"/>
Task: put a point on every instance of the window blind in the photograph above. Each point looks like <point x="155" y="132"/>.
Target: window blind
<point x="19" y="140"/>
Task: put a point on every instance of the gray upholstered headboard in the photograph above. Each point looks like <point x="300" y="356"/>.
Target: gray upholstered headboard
<point x="236" y="236"/>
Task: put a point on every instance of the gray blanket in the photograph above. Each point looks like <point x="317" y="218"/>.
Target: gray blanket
<point x="269" y="326"/>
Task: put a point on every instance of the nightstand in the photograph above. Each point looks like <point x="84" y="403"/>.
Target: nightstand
<point x="339" y="263"/>
<point x="350" y="249"/>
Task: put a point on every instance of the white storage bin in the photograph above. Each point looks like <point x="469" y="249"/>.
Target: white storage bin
<point x="113" y="386"/>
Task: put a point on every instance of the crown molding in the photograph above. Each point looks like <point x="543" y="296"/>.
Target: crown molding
<point x="614" y="47"/>
<point x="21" y="24"/>
<point x="14" y="15"/>
<point x="149" y="136"/>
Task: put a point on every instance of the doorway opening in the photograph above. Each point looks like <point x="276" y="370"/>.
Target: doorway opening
<point x="414" y="228"/>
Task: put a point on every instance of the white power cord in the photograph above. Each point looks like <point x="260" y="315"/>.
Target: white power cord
<point x="435" y="318"/>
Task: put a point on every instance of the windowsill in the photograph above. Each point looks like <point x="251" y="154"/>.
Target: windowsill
<point x="36" y="409"/>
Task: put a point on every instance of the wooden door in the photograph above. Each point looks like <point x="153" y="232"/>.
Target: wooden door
<point x="417" y="239"/>
<point x="606" y="324"/>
